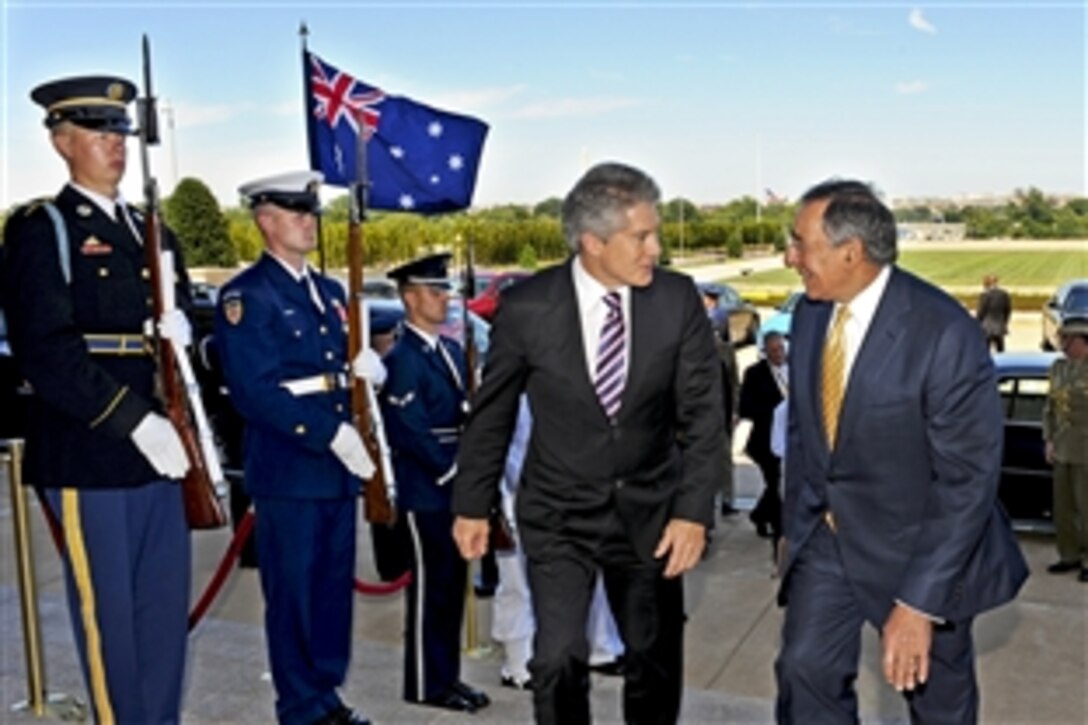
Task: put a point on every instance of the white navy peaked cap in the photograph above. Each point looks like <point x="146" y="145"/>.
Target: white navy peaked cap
<point x="294" y="190"/>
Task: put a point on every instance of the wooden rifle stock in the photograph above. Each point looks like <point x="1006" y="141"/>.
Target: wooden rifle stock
<point x="202" y="507"/>
<point x="377" y="505"/>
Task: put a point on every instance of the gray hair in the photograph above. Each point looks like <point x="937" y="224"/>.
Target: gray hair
<point x="599" y="201"/>
<point x="855" y="212"/>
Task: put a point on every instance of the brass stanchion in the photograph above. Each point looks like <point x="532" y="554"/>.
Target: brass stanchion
<point x="473" y="648"/>
<point x="38" y="702"/>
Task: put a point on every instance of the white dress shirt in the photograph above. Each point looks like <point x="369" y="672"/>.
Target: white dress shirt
<point x="592" y="311"/>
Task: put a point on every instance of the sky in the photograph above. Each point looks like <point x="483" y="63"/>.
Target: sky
<point x="716" y="100"/>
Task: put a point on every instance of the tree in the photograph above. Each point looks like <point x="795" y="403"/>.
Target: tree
<point x="552" y="206"/>
<point x="202" y="230"/>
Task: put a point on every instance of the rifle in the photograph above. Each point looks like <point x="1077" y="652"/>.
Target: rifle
<point x="204" y="479"/>
<point x="379" y="493"/>
<point x="502" y="537"/>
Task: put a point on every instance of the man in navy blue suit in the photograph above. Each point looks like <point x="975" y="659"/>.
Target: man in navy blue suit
<point x="282" y="341"/>
<point x="424" y="406"/>
<point x="892" y="464"/>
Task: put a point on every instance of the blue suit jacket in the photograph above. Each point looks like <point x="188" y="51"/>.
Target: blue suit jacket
<point x="269" y="331"/>
<point x="913" y="479"/>
<point x="423" y="406"/>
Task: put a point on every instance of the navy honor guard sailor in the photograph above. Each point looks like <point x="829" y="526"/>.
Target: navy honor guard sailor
<point x="280" y="326"/>
<point x="77" y="294"/>
<point x="424" y="407"/>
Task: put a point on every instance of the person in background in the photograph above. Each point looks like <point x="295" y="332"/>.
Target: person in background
<point x="280" y="329"/>
<point x="424" y="405"/>
<point x="730" y="387"/>
<point x="617" y="359"/>
<point x="1065" y="430"/>
<point x="893" y="460"/>
<point x="993" y="312"/>
<point x="77" y="295"/>
<point x="765" y="385"/>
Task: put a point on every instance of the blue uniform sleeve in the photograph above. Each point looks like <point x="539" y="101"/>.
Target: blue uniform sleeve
<point x="408" y="423"/>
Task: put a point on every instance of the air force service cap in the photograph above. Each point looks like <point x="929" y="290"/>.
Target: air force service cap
<point x="93" y="102"/>
<point x="430" y="270"/>
<point x="295" y="191"/>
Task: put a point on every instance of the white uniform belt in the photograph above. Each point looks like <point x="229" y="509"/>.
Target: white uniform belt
<point x="316" y="384"/>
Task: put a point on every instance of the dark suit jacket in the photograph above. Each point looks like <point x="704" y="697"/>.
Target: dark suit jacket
<point x="269" y="331"/>
<point x="994" y="310"/>
<point x="660" y="458"/>
<point x="84" y="405"/>
<point x="759" y="395"/>
<point x="913" y="479"/>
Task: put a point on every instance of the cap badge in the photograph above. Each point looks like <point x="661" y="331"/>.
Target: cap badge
<point x="115" y="91"/>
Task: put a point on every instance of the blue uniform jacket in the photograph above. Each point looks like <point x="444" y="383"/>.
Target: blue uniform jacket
<point x="424" y="409"/>
<point x="269" y="332"/>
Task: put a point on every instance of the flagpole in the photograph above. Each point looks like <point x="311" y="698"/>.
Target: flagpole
<point x="303" y="33"/>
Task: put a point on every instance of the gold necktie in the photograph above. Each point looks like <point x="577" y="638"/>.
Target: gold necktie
<point x="832" y="381"/>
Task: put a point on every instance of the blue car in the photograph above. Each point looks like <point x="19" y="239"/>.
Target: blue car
<point x="780" y="321"/>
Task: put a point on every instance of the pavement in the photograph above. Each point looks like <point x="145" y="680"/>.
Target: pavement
<point x="1032" y="653"/>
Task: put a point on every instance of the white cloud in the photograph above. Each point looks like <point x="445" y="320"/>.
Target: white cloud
<point x="575" y="107"/>
<point x="911" y="87"/>
<point x="919" y="22"/>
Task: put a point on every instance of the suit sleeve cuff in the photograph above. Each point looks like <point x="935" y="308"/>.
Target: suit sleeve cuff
<point x="932" y="618"/>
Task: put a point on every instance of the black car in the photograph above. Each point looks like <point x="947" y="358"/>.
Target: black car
<point x="1026" y="478"/>
<point x="733" y="314"/>
<point x="1071" y="300"/>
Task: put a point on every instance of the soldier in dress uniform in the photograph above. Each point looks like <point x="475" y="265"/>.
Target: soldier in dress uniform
<point x="281" y="331"/>
<point x="424" y="407"/>
<point x="77" y="296"/>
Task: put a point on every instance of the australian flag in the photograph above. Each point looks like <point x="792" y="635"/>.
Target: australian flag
<point x="418" y="158"/>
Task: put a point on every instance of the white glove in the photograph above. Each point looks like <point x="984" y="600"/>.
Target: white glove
<point x="157" y="439"/>
<point x="368" y="366"/>
<point x="349" y="448"/>
<point x="174" y="325"/>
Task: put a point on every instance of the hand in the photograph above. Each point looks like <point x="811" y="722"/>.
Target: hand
<point x="157" y="439"/>
<point x="684" y="542"/>
<point x="471" y="536"/>
<point x="1050" y="452"/>
<point x="906" y="639"/>
<point x="174" y="326"/>
<point x="368" y="366"/>
<point x="349" y="448"/>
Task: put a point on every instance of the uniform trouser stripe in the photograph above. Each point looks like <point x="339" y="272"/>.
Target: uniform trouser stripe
<point x="420" y="575"/>
<point x="81" y="573"/>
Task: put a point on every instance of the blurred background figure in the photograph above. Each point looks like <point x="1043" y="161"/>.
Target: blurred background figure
<point x="765" y="385"/>
<point x="994" y="310"/>
<point x="1065" y="430"/>
<point x="730" y="383"/>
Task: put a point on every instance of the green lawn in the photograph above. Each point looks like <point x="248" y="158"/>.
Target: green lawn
<point x="955" y="268"/>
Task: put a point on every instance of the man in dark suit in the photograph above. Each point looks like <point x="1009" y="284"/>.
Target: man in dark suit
<point x="892" y="464"/>
<point x="624" y="384"/>
<point x="765" y="385"/>
<point x="280" y="331"/>
<point x="424" y="406"/>
<point x="993" y="312"/>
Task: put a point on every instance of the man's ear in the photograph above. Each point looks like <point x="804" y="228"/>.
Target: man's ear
<point x="591" y="244"/>
<point x="62" y="142"/>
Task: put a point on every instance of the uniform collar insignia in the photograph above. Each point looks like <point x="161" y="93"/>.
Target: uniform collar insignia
<point x="84" y="210"/>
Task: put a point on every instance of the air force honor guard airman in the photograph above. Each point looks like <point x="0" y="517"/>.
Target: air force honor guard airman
<point x="281" y="332"/>
<point x="77" y="294"/>
<point x="424" y="407"/>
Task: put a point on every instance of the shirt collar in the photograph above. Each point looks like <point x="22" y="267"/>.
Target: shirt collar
<point x="103" y="202"/>
<point x="295" y="274"/>
<point x="431" y="340"/>
<point x="590" y="291"/>
<point x="863" y="306"/>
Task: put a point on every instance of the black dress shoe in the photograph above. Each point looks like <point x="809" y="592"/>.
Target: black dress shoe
<point x="1062" y="567"/>
<point x="516" y="684"/>
<point x="342" y="716"/>
<point x="476" y="697"/>
<point x="613" y="668"/>
<point x="451" y="699"/>
<point x="1083" y="576"/>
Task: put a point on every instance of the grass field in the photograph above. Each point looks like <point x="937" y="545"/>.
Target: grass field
<point x="958" y="269"/>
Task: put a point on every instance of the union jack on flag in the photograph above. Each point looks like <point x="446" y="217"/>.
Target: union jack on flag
<point x="418" y="158"/>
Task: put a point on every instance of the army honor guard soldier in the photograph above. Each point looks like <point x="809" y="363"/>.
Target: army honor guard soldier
<point x="282" y="341"/>
<point x="77" y="295"/>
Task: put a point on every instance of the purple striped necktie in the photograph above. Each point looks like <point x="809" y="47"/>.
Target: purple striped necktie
<point x="611" y="369"/>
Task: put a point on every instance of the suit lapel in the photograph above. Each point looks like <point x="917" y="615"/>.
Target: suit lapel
<point x="566" y="325"/>
<point x="639" y="331"/>
<point x="879" y="346"/>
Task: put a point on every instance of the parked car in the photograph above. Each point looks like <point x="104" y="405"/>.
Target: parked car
<point x="205" y="296"/>
<point x="486" y="301"/>
<point x="1026" y="489"/>
<point x="781" y="319"/>
<point x="1071" y="300"/>
<point x="733" y="314"/>
<point x="453" y="327"/>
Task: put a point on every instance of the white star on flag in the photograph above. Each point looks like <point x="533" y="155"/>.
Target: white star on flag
<point x="435" y="179"/>
<point x="434" y="128"/>
<point x="456" y="162"/>
<point x="396" y="152"/>
<point x="407" y="202"/>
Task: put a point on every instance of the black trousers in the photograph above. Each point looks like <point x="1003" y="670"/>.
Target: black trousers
<point x="821" y="643"/>
<point x="649" y="611"/>
<point x="768" y="509"/>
